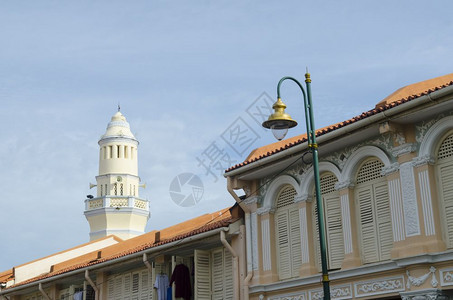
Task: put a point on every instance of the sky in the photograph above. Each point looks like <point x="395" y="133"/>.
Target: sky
<point x="194" y="80"/>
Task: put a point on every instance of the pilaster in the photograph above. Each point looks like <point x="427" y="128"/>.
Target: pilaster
<point x="308" y="267"/>
<point x="427" y="193"/>
<point x="348" y="218"/>
<point x="268" y="258"/>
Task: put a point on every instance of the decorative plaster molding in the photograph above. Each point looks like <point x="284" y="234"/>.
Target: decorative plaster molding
<point x="251" y="200"/>
<point x="344" y="185"/>
<point x="387" y="170"/>
<point x="336" y="292"/>
<point x="446" y="277"/>
<point x="304" y="235"/>
<point x="346" y="223"/>
<point x="404" y="149"/>
<point x="427" y="294"/>
<point x="304" y="197"/>
<point x="266" y="244"/>
<point x="430" y="133"/>
<point x="396" y="209"/>
<point x="265" y="210"/>
<point x="300" y="198"/>
<point x="422" y="160"/>
<point x="293" y="296"/>
<point x="410" y="207"/>
<point x="254" y="225"/>
<point x="418" y="281"/>
<point x="379" y="286"/>
<point x="425" y="195"/>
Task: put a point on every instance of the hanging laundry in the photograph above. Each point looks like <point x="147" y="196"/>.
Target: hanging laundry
<point x="161" y="284"/>
<point x="78" y="296"/>
<point x="181" y="278"/>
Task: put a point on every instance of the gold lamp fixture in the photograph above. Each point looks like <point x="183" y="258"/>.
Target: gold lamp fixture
<point x="279" y="122"/>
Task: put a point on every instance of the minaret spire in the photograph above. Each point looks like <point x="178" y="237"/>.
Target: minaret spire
<point x="117" y="208"/>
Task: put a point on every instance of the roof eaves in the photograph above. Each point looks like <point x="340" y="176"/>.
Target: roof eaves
<point x="320" y="132"/>
<point x="205" y="228"/>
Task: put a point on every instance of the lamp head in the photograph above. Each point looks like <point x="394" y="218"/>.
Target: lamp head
<point x="279" y="122"/>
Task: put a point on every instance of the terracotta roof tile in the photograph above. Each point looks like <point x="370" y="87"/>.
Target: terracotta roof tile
<point x="6" y="275"/>
<point x="399" y="97"/>
<point x="204" y="223"/>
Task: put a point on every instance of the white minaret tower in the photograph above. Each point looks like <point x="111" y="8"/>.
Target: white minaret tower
<point x="117" y="208"/>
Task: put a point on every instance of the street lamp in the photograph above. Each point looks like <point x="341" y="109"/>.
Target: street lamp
<point x="279" y="122"/>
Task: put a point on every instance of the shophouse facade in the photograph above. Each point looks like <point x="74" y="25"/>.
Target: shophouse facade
<point x="387" y="190"/>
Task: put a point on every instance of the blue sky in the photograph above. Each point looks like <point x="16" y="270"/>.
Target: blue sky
<point x="185" y="73"/>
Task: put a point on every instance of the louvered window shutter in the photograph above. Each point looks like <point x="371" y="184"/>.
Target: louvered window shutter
<point x="145" y="285"/>
<point x="383" y="220"/>
<point x="134" y="280"/>
<point x="283" y="244"/>
<point x="228" y="287"/>
<point x="295" y="247"/>
<point x="110" y="288"/>
<point x="374" y="212"/>
<point x="315" y="223"/>
<point x="202" y="275"/>
<point x="118" y="288"/>
<point x="334" y="230"/>
<point x="332" y="223"/>
<point x="368" y="235"/>
<point x="287" y="226"/>
<point x="217" y="274"/>
<point x="127" y="291"/>
<point x="445" y="179"/>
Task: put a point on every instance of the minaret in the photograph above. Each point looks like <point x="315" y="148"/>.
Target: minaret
<point x="117" y="208"/>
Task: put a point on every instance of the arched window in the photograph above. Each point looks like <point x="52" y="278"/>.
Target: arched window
<point x="444" y="171"/>
<point x="115" y="189"/>
<point x="373" y="210"/>
<point x="287" y="229"/>
<point x="332" y="222"/>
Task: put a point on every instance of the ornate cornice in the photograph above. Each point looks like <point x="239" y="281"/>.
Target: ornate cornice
<point x="300" y="198"/>
<point x="404" y="149"/>
<point x="344" y="184"/>
<point x="251" y="200"/>
<point x="387" y="170"/>
<point x="265" y="210"/>
<point x="423" y="160"/>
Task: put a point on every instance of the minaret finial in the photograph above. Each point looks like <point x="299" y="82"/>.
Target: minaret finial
<point x="119" y="107"/>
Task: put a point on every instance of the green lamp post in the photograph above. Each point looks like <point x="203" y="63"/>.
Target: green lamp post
<point x="279" y="122"/>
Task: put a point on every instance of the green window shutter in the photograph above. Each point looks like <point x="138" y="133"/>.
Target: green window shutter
<point x="295" y="247"/>
<point x="202" y="275"/>
<point x="334" y="230"/>
<point x="283" y="244"/>
<point x="368" y="234"/>
<point x="383" y="219"/>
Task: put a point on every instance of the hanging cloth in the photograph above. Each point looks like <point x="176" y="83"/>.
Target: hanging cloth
<point x="181" y="278"/>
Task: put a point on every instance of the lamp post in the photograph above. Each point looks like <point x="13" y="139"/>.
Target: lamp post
<point x="280" y="122"/>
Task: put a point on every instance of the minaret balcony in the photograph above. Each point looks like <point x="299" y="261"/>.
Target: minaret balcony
<point x="116" y="202"/>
